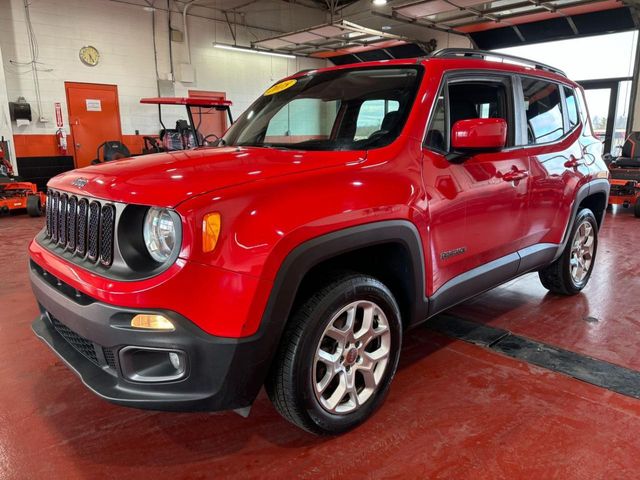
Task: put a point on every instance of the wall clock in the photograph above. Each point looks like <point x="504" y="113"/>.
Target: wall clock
<point x="89" y="56"/>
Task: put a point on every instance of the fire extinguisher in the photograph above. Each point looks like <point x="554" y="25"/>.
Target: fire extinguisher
<point x="61" y="136"/>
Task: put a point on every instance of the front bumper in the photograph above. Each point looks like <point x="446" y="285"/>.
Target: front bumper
<point x="89" y="336"/>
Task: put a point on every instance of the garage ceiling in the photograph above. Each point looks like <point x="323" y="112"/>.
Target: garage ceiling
<point x="332" y="36"/>
<point x="504" y="23"/>
<point x="356" y="28"/>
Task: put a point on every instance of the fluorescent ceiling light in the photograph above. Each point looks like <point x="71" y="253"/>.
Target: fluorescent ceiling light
<point x="251" y="50"/>
<point x="379" y="2"/>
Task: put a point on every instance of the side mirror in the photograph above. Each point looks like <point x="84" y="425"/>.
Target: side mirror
<point x="478" y="135"/>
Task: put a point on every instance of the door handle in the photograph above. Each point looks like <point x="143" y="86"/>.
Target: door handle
<point x="573" y="162"/>
<point x="515" y="175"/>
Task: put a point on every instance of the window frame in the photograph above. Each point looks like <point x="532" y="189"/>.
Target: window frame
<point x="575" y="96"/>
<point x="508" y="79"/>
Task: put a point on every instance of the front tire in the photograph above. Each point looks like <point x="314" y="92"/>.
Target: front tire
<point x="34" y="206"/>
<point x="338" y="356"/>
<point x="570" y="273"/>
<point x="636" y="208"/>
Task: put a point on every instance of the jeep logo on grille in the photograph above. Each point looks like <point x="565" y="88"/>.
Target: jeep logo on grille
<point x="80" y="182"/>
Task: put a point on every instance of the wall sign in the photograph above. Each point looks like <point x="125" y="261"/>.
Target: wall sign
<point x="59" y="121"/>
<point x="94" y="105"/>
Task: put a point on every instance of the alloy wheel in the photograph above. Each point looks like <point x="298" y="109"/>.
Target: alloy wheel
<point x="351" y="357"/>
<point x="582" y="250"/>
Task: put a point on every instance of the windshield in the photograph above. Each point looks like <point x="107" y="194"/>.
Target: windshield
<point x="336" y="110"/>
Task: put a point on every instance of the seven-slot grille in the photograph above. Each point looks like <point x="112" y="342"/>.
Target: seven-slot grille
<point x="85" y="228"/>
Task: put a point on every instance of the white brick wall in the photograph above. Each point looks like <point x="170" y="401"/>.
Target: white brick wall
<point x="123" y="35"/>
<point x="5" y="121"/>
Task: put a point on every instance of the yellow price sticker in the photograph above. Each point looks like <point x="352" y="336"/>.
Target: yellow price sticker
<point x="279" y="87"/>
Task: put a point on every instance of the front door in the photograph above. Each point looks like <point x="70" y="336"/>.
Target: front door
<point x="94" y="116"/>
<point x="478" y="206"/>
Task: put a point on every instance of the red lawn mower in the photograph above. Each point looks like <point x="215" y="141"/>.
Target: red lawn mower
<point x="18" y="195"/>
<point x="625" y="175"/>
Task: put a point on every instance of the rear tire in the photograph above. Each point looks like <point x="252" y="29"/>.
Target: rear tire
<point x="34" y="206"/>
<point x="636" y="208"/>
<point x="570" y="273"/>
<point x="338" y="356"/>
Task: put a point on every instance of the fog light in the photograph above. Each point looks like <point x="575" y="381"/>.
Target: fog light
<point x="175" y="360"/>
<point x="152" y="322"/>
<point x="148" y="364"/>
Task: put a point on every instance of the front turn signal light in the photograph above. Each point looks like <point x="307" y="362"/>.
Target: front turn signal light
<point x="152" y="322"/>
<point x="210" y="231"/>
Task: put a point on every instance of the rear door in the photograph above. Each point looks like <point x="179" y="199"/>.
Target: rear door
<point x="94" y="116"/>
<point x="559" y="163"/>
<point x="478" y="207"/>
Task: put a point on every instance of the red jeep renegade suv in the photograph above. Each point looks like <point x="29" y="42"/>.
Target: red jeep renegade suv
<point x="345" y="206"/>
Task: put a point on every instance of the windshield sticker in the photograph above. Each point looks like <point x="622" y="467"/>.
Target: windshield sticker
<point x="279" y="87"/>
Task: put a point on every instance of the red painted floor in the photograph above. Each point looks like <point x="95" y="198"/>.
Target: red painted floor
<point x="455" y="410"/>
<point x="603" y="321"/>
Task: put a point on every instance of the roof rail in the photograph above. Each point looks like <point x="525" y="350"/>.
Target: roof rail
<point x="483" y="54"/>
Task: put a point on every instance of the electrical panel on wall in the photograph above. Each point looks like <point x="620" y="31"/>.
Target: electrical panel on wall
<point x="166" y="88"/>
<point x="186" y="73"/>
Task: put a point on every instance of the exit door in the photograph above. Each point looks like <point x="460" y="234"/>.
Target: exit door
<point x="94" y="116"/>
<point x="608" y="101"/>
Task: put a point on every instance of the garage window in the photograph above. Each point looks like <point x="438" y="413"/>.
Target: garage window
<point x="303" y="119"/>
<point x="371" y="117"/>
<point x="543" y="111"/>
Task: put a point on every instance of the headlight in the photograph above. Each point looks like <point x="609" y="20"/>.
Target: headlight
<point x="160" y="234"/>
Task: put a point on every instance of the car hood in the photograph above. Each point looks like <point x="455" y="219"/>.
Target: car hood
<point x="166" y="179"/>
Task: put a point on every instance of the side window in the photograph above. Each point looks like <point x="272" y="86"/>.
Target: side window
<point x="477" y="100"/>
<point x="436" y="138"/>
<point x="375" y="115"/>
<point x="572" y="106"/>
<point x="544" y="111"/>
<point x="467" y="100"/>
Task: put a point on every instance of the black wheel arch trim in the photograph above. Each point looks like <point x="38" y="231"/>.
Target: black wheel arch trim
<point x="319" y="249"/>
<point x="325" y="247"/>
<point x="600" y="185"/>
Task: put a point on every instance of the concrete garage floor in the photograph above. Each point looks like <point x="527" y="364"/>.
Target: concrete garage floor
<point x="456" y="410"/>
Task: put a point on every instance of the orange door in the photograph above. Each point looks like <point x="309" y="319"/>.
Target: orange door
<point x="209" y="121"/>
<point x="94" y="116"/>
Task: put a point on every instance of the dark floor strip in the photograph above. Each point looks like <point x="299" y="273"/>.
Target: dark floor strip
<point x="582" y="367"/>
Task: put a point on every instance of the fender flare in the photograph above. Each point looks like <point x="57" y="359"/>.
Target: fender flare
<point x="312" y="252"/>
<point x="319" y="249"/>
<point x="600" y="185"/>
